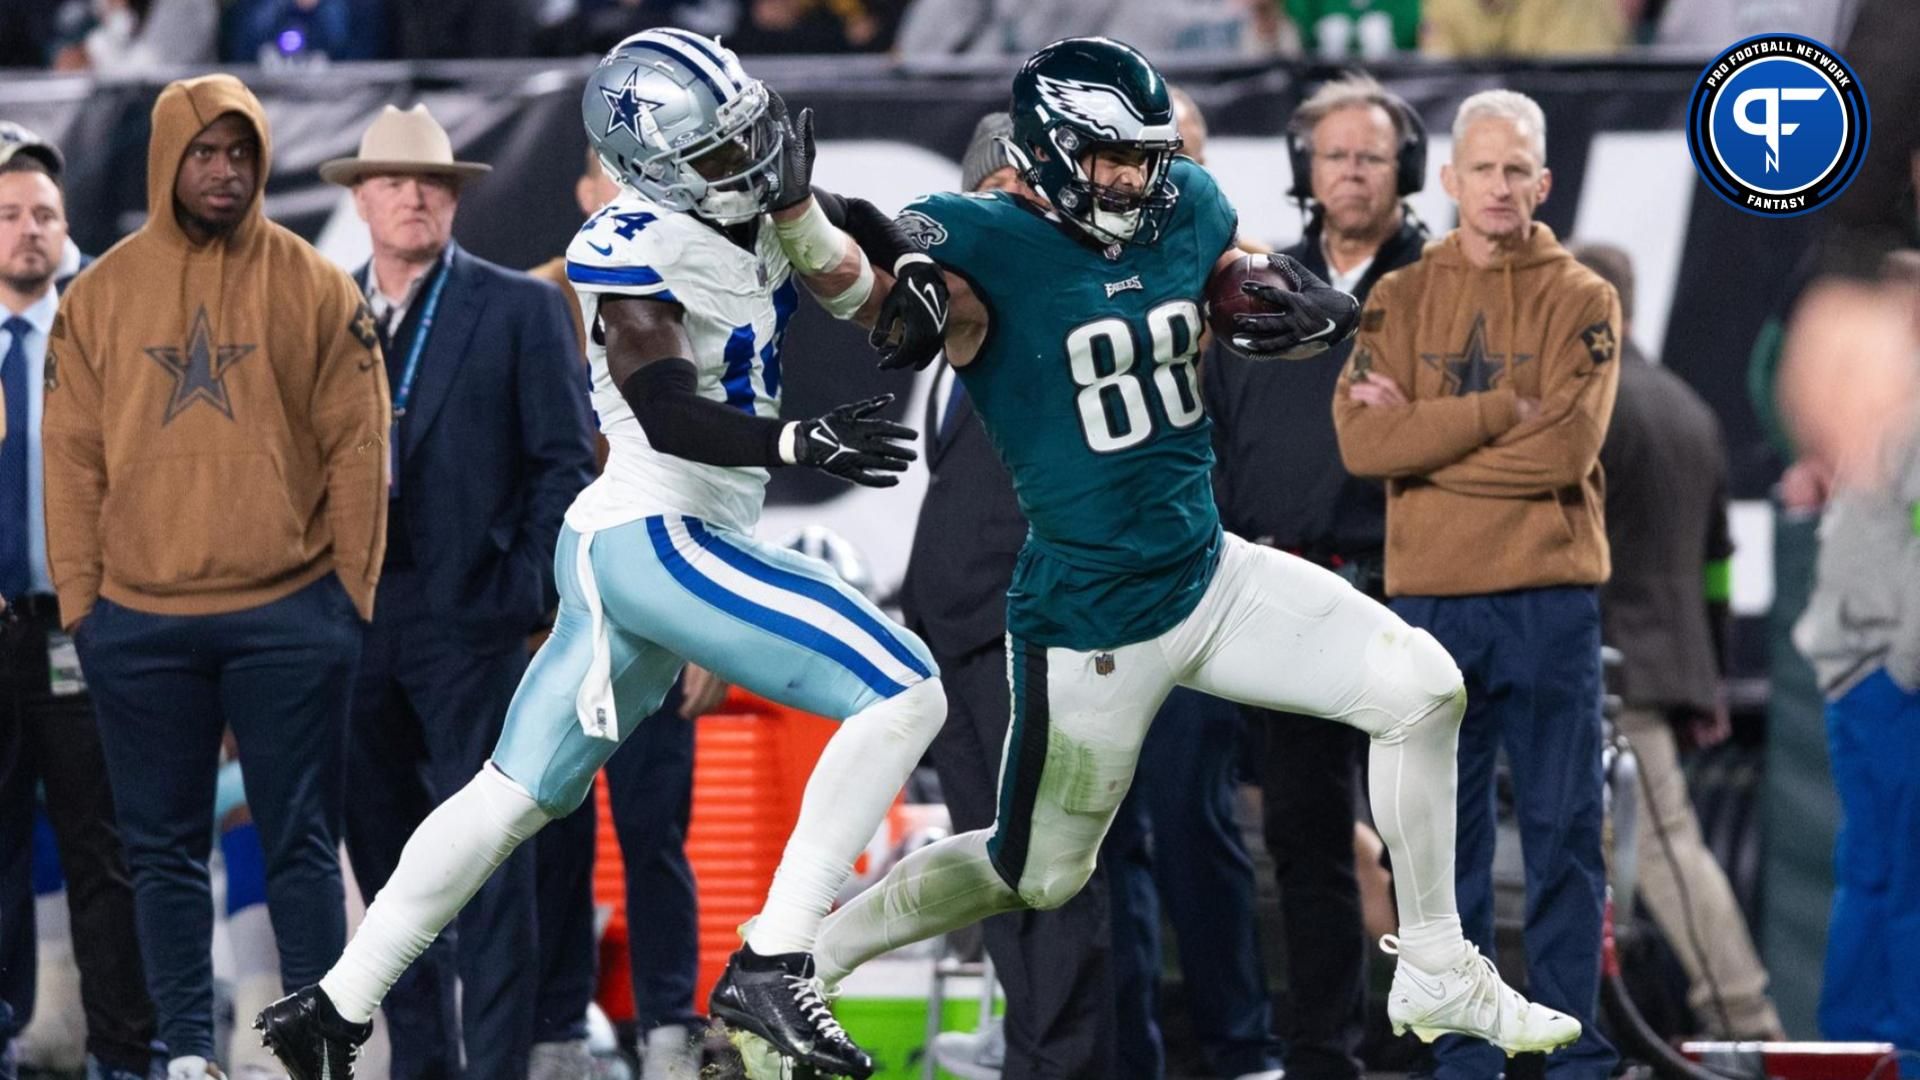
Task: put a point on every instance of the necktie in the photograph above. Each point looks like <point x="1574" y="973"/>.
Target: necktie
<point x="13" y="461"/>
<point x="955" y="396"/>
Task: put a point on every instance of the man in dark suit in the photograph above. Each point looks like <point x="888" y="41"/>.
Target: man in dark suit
<point x="491" y="441"/>
<point x="1053" y="965"/>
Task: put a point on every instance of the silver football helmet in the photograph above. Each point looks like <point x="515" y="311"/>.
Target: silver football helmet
<point x="674" y="117"/>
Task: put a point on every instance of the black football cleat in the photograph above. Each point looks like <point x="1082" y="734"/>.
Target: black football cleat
<point x="778" y="999"/>
<point x="309" y="1037"/>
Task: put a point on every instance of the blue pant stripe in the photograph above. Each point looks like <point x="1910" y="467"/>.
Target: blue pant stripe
<point x="774" y="622"/>
<point x="812" y="589"/>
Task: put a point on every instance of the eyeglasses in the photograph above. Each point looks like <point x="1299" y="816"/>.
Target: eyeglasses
<point x="1340" y="159"/>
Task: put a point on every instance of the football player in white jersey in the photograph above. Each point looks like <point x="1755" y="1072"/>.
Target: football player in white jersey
<point x="686" y="292"/>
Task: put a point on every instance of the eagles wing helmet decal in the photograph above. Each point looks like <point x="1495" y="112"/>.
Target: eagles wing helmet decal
<point x="1097" y="107"/>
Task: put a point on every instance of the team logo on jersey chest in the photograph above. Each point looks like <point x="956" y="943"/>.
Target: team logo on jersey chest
<point x="1123" y="286"/>
<point x="921" y="229"/>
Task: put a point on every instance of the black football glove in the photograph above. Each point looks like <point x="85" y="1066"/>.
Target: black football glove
<point x="1308" y="321"/>
<point x="912" y="325"/>
<point x="852" y="443"/>
<point x="796" y="153"/>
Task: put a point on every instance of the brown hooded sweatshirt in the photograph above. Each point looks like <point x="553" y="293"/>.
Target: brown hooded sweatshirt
<point x="1477" y="501"/>
<point x="216" y="416"/>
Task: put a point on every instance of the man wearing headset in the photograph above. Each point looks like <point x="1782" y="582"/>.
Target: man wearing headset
<point x="1357" y="151"/>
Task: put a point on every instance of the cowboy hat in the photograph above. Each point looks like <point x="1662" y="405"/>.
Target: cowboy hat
<point x="397" y="141"/>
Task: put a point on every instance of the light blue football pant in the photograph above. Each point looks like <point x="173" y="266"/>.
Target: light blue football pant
<point x="638" y="600"/>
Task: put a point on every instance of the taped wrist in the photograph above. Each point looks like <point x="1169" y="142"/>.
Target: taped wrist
<point x="680" y="422"/>
<point x="811" y="241"/>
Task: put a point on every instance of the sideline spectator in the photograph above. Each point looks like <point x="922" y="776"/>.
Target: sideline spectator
<point x="216" y="414"/>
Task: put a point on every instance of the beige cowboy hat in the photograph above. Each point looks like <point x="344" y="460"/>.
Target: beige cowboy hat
<point x="401" y="141"/>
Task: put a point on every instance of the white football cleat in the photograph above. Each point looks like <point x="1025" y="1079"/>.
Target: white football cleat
<point x="1470" y="999"/>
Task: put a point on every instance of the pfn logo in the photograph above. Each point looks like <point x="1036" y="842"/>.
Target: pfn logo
<point x="1777" y="125"/>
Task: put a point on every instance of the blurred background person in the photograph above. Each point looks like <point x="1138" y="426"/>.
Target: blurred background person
<point x="127" y="36"/>
<point x="48" y="736"/>
<point x="1665" y="609"/>
<point x="490" y="443"/>
<point x="214" y="529"/>
<point x="1358" y="152"/>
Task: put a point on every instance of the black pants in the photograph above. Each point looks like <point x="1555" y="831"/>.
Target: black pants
<point x="165" y="689"/>
<point x="1310" y="780"/>
<point x="651" y="794"/>
<point x="427" y="711"/>
<point x="1054" y="965"/>
<point x="53" y="741"/>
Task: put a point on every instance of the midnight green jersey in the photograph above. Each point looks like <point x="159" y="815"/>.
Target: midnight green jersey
<point x="1087" y="386"/>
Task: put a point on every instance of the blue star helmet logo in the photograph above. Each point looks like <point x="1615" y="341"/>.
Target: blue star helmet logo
<point x="624" y="107"/>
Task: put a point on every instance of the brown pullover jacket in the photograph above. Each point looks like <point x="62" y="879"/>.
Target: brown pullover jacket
<point x="1477" y="500"/>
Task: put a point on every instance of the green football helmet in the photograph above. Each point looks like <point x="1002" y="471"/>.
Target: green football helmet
<point x="1083" y="95"/>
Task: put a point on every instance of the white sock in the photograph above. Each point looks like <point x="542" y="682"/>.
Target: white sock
<point x="941" y="887"/>
<point x="864" y="766"/>
<point x="1413" y="776"/>
<point x="453" y="852"/>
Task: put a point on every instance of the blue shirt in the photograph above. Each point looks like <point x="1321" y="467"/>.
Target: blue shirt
<point x="40" y="314"/>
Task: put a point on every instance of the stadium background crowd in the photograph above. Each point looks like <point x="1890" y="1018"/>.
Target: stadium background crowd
<point x="126" y="38"/>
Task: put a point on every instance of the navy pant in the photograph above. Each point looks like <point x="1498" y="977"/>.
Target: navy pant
<point x="427" y="711"/>
<point x="650" y="790"/>
<point x="165" y="688"/>
<point x="1532" y="664"/>
<point x="1176" y="843"/>
<point x="1872" y="988"/>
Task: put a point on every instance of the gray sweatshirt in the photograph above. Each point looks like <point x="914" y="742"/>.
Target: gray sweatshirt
<point x="1865" y="610"/>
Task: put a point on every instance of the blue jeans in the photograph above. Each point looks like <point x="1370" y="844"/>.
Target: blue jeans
<point x="1872" y="989"/>
<point x="1531" y="659"/>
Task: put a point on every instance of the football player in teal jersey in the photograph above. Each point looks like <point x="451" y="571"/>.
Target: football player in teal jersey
<point x="1075" y="324"/>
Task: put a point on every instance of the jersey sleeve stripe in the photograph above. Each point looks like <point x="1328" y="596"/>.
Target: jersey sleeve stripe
<point x="583" y="274"/>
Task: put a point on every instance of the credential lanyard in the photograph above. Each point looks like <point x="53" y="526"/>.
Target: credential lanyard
<point x="417" y="346"/>
<point x="405" y="392"/>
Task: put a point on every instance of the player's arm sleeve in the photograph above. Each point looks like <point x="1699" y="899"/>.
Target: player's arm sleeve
<point x="555" y="428"/>
<point x="74" y="459"/>
<point x="1214" y="217"/>
<point x="1415" y="438"/>
<point x="1558" y="446"/>
<point x="352" y="418"/>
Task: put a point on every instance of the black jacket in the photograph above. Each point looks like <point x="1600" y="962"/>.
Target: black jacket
<point x="1666" y="469"/>
<point x="970" y="532"/>
<point x="1279" y="479"/>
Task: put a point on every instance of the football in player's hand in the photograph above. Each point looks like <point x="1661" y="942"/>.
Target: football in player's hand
<point x="1225" y="297"/>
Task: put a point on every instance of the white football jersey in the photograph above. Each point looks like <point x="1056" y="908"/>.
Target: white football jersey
<point x="736" y="305"/>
